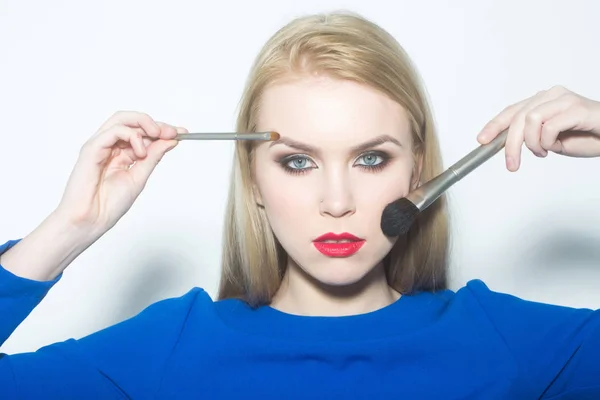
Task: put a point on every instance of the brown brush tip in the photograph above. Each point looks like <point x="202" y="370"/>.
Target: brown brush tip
<point x="274" y="136"/>
<point x="398" y="216"/>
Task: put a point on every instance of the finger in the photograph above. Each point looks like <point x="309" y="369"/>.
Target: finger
<point x="126" y="145"/>
<point x="143" y="168"/>
<point x="514" y="142"/>
<point x="561" y="122"/>
<point x="109" y="138"/>
<point x="538" y="117"/>
<point x="500" y="122"/>
<point x="129" y="154"/>
<point x="532" y="131"/>
<point x="170" y="136"/>
<point x="133" y="119"/>
<point x="170" y="131"/>
<point x="516" y="134"/>
<point x="127" y="148"/>
<point x="167" y="131"/>
<point x="136" y="152"/>
<point x="516" y="131"/>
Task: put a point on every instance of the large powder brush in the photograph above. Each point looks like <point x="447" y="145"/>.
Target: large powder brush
<point x="398" y="216"/>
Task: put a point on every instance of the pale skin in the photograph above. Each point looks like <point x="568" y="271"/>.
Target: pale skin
<point x="332" y="187"/>
<point x="102" y="186"/>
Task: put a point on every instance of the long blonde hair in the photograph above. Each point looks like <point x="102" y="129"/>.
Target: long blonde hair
<point x="344" y="46"/>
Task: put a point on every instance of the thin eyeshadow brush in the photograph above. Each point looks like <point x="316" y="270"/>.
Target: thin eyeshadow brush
<point x="266" y="136"/>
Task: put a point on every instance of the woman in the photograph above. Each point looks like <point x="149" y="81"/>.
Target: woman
<point x="304" y="311"/>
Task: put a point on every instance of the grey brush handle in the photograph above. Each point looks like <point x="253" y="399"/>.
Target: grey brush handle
<point x="206" y="136"/>
<point x="423" y="196"/>
<point x="225" y="136"/>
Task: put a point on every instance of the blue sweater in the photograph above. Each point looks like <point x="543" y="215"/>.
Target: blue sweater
<point x="470" y="344"/>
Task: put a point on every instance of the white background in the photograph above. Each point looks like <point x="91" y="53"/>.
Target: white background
<point x="66" y="66"/>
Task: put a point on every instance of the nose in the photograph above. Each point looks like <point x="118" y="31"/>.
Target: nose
<point x="337" y="199"/>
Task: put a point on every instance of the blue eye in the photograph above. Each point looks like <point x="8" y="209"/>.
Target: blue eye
<point x="297" y="164"/>
<point x="371" y="160"/>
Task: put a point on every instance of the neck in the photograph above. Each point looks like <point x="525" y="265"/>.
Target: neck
<point x="300" y="294"/>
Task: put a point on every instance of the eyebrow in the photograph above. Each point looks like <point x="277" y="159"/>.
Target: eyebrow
<point x="379" y="140"/>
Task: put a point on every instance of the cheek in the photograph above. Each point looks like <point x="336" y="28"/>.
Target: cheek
<point x="374" y="191"/>
<point x="382" y="192"/>
<point x="287" y="197"/>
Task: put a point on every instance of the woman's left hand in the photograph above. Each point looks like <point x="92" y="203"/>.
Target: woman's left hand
<point x="555" y="120"/>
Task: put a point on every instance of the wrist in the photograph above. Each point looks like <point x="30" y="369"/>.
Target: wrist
<point x="48" y="250"/>
<point x="77" y="234"/>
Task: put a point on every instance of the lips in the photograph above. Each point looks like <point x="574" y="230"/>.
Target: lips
<point x="338" y="245"/>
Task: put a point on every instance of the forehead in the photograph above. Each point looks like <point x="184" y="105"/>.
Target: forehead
<point x="322" y="108"/>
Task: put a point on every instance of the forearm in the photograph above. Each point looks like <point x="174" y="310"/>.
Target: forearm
<point x="47" y="251"/>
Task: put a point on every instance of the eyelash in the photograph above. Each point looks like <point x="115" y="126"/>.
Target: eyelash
<point x="369" y="168"/>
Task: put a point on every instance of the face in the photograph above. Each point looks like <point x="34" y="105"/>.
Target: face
<point x="344" y="154"/>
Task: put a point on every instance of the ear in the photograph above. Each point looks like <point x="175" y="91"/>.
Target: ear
<point x="418" y="167"/>
<point x="256" y="194"/>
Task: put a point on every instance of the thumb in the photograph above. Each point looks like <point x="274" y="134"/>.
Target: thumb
<point x="557" y="147"/>
<point x="155" y="152"/>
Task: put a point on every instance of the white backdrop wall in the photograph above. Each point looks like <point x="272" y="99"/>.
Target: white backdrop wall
<point x="66" y="66"/>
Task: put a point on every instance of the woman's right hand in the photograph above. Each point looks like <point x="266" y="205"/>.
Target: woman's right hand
<point x="110" y="173"/>
<point x="112" y="170"/>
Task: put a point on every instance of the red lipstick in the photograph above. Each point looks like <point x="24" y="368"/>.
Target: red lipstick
<point x="338" y="245"/>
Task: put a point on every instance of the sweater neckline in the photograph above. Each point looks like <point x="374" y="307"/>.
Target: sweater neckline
<point x="405" y="314"/>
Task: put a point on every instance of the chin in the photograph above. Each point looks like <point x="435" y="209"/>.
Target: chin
<point x="339" y="271"/>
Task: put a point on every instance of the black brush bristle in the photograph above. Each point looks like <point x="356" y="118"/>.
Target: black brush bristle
<point x="397" y="217"/>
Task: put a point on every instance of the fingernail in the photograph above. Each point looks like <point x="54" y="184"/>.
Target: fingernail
<point x="171" y="148"/>
<point x="510" y="163"/>
<point x="482" y="137"/>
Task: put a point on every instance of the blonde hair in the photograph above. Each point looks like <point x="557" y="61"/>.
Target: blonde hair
<point x="344" y="46"/>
